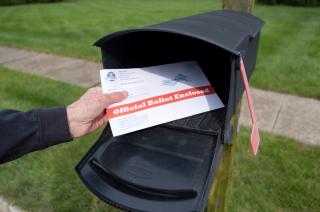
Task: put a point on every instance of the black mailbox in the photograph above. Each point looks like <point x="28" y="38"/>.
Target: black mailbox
<point x="170" y="167"/>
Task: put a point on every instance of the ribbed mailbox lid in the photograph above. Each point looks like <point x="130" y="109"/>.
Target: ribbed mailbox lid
<point x="226" y="29"/>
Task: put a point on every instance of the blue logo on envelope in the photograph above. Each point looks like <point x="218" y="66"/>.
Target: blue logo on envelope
<point x="178" y="78"/>
<point x="111" y="76"/>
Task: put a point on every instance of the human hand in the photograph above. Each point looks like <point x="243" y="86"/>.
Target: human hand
<point x="88" y="113"/>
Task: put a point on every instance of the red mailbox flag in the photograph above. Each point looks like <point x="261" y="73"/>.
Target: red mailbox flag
<point x="255" y="137"/>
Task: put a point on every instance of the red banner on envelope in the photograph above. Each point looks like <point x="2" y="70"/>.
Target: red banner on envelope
<point x="157" y="101"/>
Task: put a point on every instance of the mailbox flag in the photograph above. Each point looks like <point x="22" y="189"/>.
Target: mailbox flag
<point x="255" y="137"/>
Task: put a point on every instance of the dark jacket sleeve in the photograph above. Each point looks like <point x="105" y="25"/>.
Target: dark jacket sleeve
<point x="24" y="132"/>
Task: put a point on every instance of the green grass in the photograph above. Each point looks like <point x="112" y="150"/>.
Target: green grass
<point x="289" y="58"/>
<point x="289" y="54"/>
<point x="70" y="28"/>
<point x="284" y="177"/>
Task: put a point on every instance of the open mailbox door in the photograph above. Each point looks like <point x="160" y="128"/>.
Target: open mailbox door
<point x="171" y="167"/>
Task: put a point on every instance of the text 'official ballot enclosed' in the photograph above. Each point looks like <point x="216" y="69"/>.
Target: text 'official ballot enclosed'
<point x="157" y="95"/>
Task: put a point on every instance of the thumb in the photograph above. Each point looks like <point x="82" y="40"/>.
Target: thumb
<point x="115" y="97"/>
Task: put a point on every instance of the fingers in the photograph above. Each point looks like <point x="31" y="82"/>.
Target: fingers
<point x="87" y="113"/>
<point x="108" y="99"/>
<point x="118" y="96"/>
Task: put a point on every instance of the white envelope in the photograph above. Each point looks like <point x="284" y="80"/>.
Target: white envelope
<point x="157" y="95"/>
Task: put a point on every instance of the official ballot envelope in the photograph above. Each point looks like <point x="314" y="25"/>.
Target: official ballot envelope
<point x="157" y="95"/>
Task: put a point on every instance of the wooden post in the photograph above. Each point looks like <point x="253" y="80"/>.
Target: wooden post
<point x="239" y="5"/>
<point x="218" y="196"/>
<point x="220" y="189"/>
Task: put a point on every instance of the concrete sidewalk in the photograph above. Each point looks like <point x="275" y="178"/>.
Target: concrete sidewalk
<point x="70" y="70"/>
<point x="5" y="206"/>
<point x="292" y="116"/>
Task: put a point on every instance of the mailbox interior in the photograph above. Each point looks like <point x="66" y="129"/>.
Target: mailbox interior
<point x="150" y="48"/>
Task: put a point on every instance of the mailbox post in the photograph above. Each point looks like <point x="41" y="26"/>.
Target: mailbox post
<point x="220" y="189"/>
<point x="171" y="167"/>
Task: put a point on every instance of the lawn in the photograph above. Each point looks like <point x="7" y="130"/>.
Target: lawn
<point x="290" y="50"/>
<point x="284" y="177"/>
<point x="288" y="59"/>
